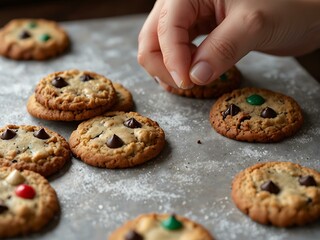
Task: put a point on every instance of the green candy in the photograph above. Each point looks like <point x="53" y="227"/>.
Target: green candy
<point x="224" y="77"/>
<point x="33" y="25"/>
<point x="171" y="223"/>
<point x="45" y="37"/>
<point x="255" y="99"/>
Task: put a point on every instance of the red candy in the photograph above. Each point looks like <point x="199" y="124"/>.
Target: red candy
<point x="25" y="191"/>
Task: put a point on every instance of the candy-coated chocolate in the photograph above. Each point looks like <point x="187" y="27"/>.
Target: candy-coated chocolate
<point x="172" y="223"/>
<point x="25" y="191"/>
<point x="255" y="99"/>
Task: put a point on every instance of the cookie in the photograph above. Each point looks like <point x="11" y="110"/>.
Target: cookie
<point x="279" y="193"/>
<point x="227" y="82"/>
<point x="27" y="202"/>
<point x="38" y="39"/>
<point x="256" y="115"/>
<point x="124" y="102"/>
<point x="161" y="227"/>
<point x="75" y="90"/>
<point x="33" y="148"/>
<point x="117" y="140"/>
<point x="37" y="110"/>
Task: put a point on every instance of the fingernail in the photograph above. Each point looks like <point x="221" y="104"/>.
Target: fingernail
<point x="178" y="81"/>
<point x="176" y="78"/>
<point x="201" y="72"/>
<point x="156" y="79"/>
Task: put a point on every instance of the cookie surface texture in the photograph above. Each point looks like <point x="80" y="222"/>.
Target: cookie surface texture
<point x="38" y="39"/>
<point x="279" y="193"/>
<point x="154" y="227"/>
<point x="227" y="82"/>
<point x="27" y="202"/>
<point x="75" y="90"/>
<point x="117" y="140"/>
<point x="256" y="115"/>
<point x="33" y="148"/>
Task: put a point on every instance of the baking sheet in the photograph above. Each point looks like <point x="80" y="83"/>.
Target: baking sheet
<point x="188" y="178"/>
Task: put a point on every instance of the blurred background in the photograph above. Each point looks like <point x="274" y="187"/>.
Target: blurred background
<point x="67" y="10"/>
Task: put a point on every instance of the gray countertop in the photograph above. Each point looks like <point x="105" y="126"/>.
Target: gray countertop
<point x="190" y="179"/>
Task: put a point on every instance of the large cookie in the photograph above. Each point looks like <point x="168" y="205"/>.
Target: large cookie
<point x="27" y="202"/>
<point x="278" y="193"/>
<point x="227" y="82"/>
<point x="75" y="90"/>
<point x="161" y="227"/>
<point x="38" y="39"/>
<point x="256" y="115"/>
<point x="33" y="148"/>
<point x="117" y="140"/>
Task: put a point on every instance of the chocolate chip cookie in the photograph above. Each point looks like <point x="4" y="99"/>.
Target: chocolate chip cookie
<point x="75" y="90"/>
<point x="256" y="115"/>
<point x="33" y="148"/>
<point x="27" y="202"/>
<point x="227" y="82"/>
<point x="124" y="102"/>
<point x="161" y="227"/>
<point x="279" y="193"/>
<point x="38" y="39"/>
<point x="117" y="140"/>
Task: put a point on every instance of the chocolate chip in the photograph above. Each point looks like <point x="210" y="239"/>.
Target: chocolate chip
<point x="42" y="134"/>
<point x="85" y="78"/>
<point x="59" y="82"/>
<point x="24" y="35"/>
<point x="268" y="113"/>
<point x="270" y="187"/>
<point x="231" y="110"/>
<point x="133" y="235"/>
<point x="114" y="142"/>
<point x="199" y="142"/>
<point x="307" y="181"/>
<point x="14" y="161"/>
<point x="3" y="208"/>
<point x="8" y="134"/>
<point x="132" y="123"/>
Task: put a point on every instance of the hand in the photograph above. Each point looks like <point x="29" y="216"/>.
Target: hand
<point x="234" y="28"/>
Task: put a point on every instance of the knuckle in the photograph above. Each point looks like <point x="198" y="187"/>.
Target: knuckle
<point x="141" y="58"/>
<point x="254" y="21"/>
<point x="224" y="48"/>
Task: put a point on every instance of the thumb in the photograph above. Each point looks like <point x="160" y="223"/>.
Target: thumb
<point x="237" y="34"/>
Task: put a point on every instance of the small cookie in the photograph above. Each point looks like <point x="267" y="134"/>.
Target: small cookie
<point x="33" y="148"/>
<point x="279" y="193"/>
<point x="256" y="115"/>
<point x="117" y="140"/>
<point x="27" y="202"/>
<point x="161" y="227"/>
<point x="38" y="39"/>
<point x="227" y="82"/>
<point x="124" y="102"/>
<point x="75" y="90"/>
